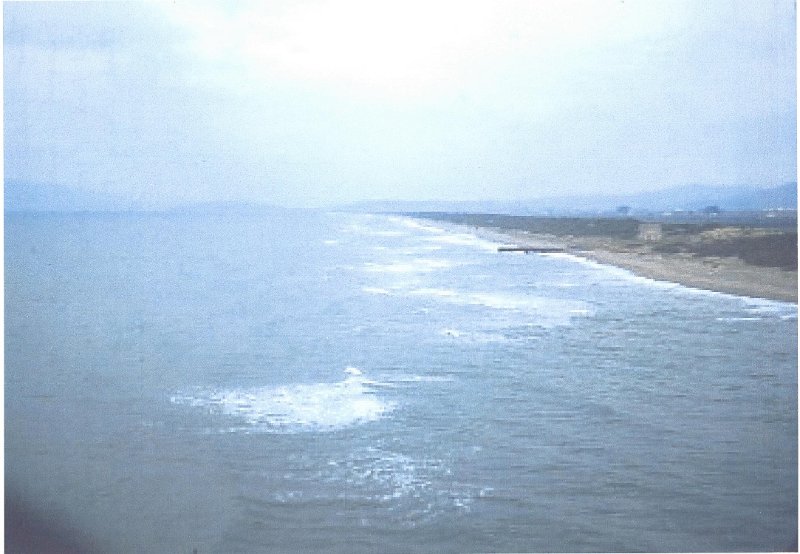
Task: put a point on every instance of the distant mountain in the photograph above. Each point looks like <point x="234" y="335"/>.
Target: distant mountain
<point x="477" y="206"/>
<point x="227" y="207"/>
<point x="34" y="197"/>
<point x="683" y="198"/>
<point x="21" y="197"/>
<point x="698" y="197"/>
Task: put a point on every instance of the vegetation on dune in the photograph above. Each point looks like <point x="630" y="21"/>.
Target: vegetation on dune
<point x="768" y="250"/>
<point x="755" y="245"/>
<point x="623" y="228"/>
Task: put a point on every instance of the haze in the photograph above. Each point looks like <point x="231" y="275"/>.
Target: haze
<point x="319" y="103"/>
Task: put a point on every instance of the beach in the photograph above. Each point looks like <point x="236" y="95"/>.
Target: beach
<point x="716" y="273"/>
<point x="664" y="258"/>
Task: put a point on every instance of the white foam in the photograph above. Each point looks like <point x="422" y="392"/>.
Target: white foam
<point x="774" y="307"/>
<point x="419" y="265"/>
<point x="353" y="228"/>
<point x="574" y="258"/>
<point x="464" y="239"/>
<point x="370" y="231"/>
<point x="504" y="301"/>
<point x="547" y="311"/>
<point x="548" y="308"/>
<point x="406" y="378"/>
<point x="444" y="236"/>
<point x="376" y="290"/>
<point x="389" y="476"/>
<point x="300" y="407"/>
<point x="387" y="233"/>
<point x="442" y="293"/>
<point x="330" y="242"/>
<point x="414" y="224"/>
<point x="413" y="250"/>
<point x="419" y="489"/>
<point x="485" y="338"/>
<point x="731" y="319"/>
<point x="474" y="336"/>
<point x="629" y="276"/>
<point x="612" y="270"/>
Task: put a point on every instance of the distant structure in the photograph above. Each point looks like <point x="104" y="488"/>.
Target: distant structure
<point x="650" y="231"/>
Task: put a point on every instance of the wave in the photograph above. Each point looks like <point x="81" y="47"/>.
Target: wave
<point x="386" y="233"/>
<point x="419" y="265"/>
<point x="356" y="228"/>
<point x="396" y="378"/>
<point x="464" y="239"/>
<point x="629" y="276"/>
<point x="442" y="293"/>
<point x="417" y="489"/>
<point x="785" y="310"/>
<point x="412" y="250"/>
<point x="415" y="224"/>
<point x="613" y="271"/>
<point x="755" y="309"/>
<point x="376" y="290"/>
<point x="403" y="489"/>
<point x="505" y="301"/>
<point x="321" y="407"/>
<point x="733" y="319"/>
<point x="479" y="337"/>
<point x="500" y="301"/>
<point x="548" y="311"/>
<point x="445" y="236"/>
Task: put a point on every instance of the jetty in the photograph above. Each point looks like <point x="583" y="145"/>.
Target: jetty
<point x="529" y="249"/>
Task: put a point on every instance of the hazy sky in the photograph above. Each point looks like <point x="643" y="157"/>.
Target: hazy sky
<point x="317" y="102"/>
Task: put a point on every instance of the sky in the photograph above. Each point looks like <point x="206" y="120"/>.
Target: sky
<point x="317" y="103"/>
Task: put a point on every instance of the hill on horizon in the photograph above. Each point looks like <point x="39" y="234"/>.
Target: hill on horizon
<point x="30" y="197"/>
<point x="682" y="198"/>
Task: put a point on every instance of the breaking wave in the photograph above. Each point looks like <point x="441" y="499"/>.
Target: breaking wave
<point x="296" y="408"/>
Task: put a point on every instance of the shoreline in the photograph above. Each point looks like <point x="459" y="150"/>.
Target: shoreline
<point x="718" y="274"/>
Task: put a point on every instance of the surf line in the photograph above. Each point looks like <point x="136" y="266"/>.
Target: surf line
<point x="531" y="249"/>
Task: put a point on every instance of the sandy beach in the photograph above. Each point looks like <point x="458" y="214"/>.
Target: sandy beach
<point x="725" y="274"/>
<point x="721" y="274"/>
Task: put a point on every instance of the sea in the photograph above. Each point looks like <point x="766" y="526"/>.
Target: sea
<point x="312" y="381"/>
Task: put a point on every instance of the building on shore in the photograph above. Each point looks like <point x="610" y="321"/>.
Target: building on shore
<point x="650" y="232"/>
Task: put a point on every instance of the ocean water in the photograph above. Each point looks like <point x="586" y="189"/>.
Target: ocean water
<point x="304" y="381"/>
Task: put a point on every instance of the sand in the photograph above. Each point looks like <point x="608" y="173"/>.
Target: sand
<point x="722" y="274"/>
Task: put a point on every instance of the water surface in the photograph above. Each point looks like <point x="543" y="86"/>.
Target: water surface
<point x="307" y="381"/>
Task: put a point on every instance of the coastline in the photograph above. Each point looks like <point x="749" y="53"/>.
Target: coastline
<point x="720" y="274"/>
<point x="725" y="275"/>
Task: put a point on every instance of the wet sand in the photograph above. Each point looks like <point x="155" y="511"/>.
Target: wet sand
<point x="717" y="273"/>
